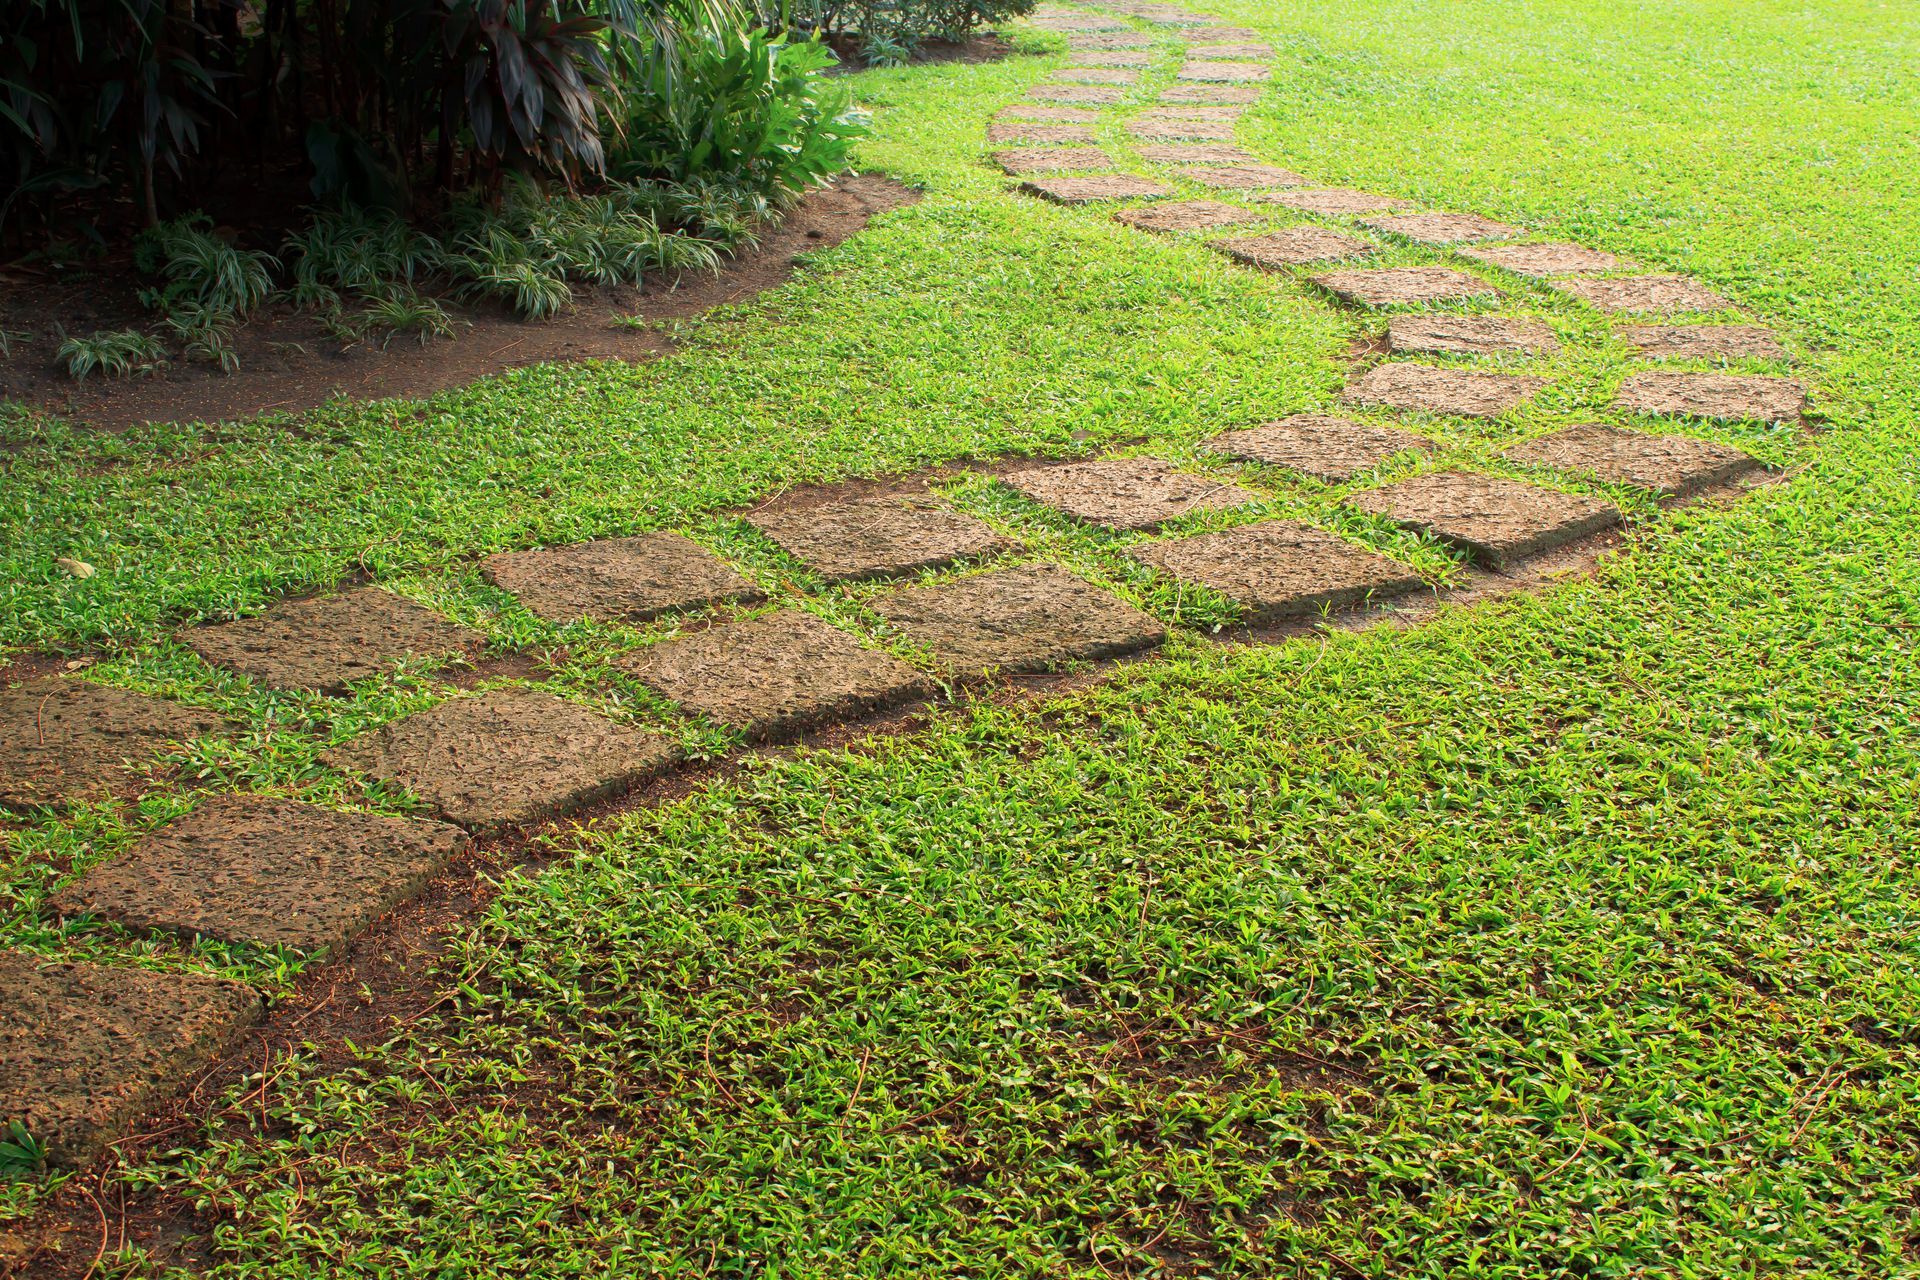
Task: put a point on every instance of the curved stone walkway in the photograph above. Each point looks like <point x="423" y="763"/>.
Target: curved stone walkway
<point x="85" y="1048"/>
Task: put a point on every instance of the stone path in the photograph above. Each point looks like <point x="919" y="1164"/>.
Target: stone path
<point x="84" y="1048"/>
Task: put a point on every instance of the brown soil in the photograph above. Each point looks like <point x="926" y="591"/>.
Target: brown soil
<point x="287" y="363"/>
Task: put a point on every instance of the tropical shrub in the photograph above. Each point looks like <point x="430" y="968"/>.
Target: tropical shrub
<point x="893" y="30"/>
<point x="113" y="353"/>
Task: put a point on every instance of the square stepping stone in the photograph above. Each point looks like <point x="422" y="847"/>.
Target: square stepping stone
<point x="776" y="675"/>
<point x="1126" y="493"/>
<point x="1176" y="130"/>
<point x="63" y="740"/>
<point x="1670" y="466"/>
<point x="1225" y="73"/>
<point x="1052" y="159"/>
<point x="1443" y="228"/>
<point x="1186" y="215"/>
<point x="1077" y="22"/>
<point x="1706" y="342"/>
<point x="1054" y="115"/>
<point x="618" y="579"/>
<point x="1541" y="260"/>
<point x="1229" y="52"/>
<point x="1217" y="93"/>
<point x="1496" y="521"/>
<point x="1193" y="153"/>
<point x="1220" y="31"/>
<point x="1102" y="95"/>
<point x="1663" y="295"/>
<point x="1292" y="247"/>
<point x="1470" y="335"/>
<point x="85" y="1049"/>
<point x="1048" y="134"/>
<point x="506" y="757"/>
<point x="1181" y="115"/>
<point x="272" y="872"/>
<point x="1081" y="41"/>
<point x="1723" y="397"/>
<point x="1419" y="388"/>
<point x="328" y="642"/>
<point x="1096" y="75"/>
<point x="1279" y="569"/>
<point x="1403" y="286"/>
<point x="1242" y="177"/>
<point x="877" y="537"/>
<point x="1115" y="58"/>
<point x="1320" y="445"/>
<point x="1118" y="186"/>
<point x="1334" y="202"/>
<point x="1013" y="620"/>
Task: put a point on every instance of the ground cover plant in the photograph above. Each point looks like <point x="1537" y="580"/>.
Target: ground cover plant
<point x="1570" y="935"/>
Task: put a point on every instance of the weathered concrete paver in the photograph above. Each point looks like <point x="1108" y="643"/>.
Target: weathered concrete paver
<point x="1723" y="397"/>
<point x="1103" y="95"/>
<point x="1242" y="177"/>
<point x="1401" y="286"/>
<point x="1279" y="569"/>
<point x="267" y="871"/>
<point x="1334" y="201"/>
<point x="1419" y="388"/>
<point x="1229" y="52"/>
<point x="84" y="1048"/>
<point x="1706" y="342"/>
<point x="1055" y="115"/>
<point x="1662" y="295"/>
<point x="1194" y="153"/>
<point x="1119" y="186"/>
<point x="776" y="675"/>
<point x="1178" y="115"/>
<point x="327" y="642"/>
<point x="1443" y="228"/>
<point x="1096" y="75"/>
<point x="1667" y="465"/>
<point x="1039" y="134"/>
<point x="1126" y="493"/>
<point x="1494" y="520"/>
<point x="506" y="757"/>
<point x="1225" y="72"/>
<point x="63" y="740"/>
<point x="1175" y="130"/>
<point x="1539" y="260"/>
<point x="618" y="579"/>
<point x="1293" y="247"/>
<point x="1203" y="93"/>
<point x="1186" y="215"/>
<point x="877" y="537"/>
<point x="1321" y="445"/>
<point x="1470" y="335"/>
<point x="1018" y="160"/>
<point x="1079" y="41"/>
<point x="1014" y="620"/>
<point x="1114" y="57"/>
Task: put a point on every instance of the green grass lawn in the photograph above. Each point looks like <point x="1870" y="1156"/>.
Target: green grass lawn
<point x="1572" y="935"/>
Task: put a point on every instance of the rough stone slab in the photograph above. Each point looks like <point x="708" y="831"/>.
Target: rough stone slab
<point x="1079" y="23"/>
<point x="267" y="871"/>
<point x="1055" y="115"/>
<point x="1279" y="569"/>
<point x="1419" y="388"/>
<point x="1228" y="52"/>
<point x="1470" y="335"/>
<point x="1104" y="95"/>
<point x="1024" y="619"/>
<point x="1494" y="520"/>
<point x="1320" y="445"/>
<point x="1334" y="201"/>
<point x="1193" y="153"/>
<point x="877" y="537"/>
<point x="63" y="740"/>
<point x="1242" y="177"/>
<point x="617" y="579"/>
<point x="1080" y="42"/>
<point x="1661" y="295"/>
<point x="1540" y="260"/>
<point x="1020" y="160"/>
<point x="1095" y="75"/>
<point x="1186" y="215"/>
<point x="1401" y="286"/>
<point x="1118" y="186"/>
<point x="1706" y="342"/>
<point x="1443" y="228"/>
<point x="776" y="675"/>
<point x="1182" y="115"/>
<point x="506" y="757"/>
<point x="1049" y="134"/>
<point x="85" y="1049"/>
<point x="1225" y="73"/>
<point x="1126" y="493"/>
<point x="1723" y="397"/>
<point x="1217" y="93"/>
<point x="1220" y="31"/>
<point x="1114" y="57"/>
<point x="1292" y="247"/>
<point x="1176" y="130"/>
<point x="328" y="642"/>
<point x="1670" y="466"/>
